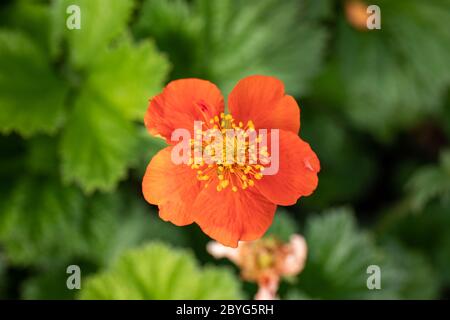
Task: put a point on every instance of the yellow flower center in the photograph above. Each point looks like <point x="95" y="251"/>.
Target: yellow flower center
<point x="228" y="150"/>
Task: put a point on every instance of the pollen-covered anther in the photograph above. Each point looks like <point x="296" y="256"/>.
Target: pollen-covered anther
<point x="224" y="183"/>
<point x="238" y="169"/>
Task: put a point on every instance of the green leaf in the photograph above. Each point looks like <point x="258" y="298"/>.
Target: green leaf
<point x="31" y="96"/>
<point x="414" y="230"/>
<point x="49" y="284"/>
<point x="176" y="30"/>
<point x="227" y="284"/>
<point x="101" y="22"/>
<point x="118" y="222"/>
<point x="338" y="257"/>
<point x="97" y="145"/>
<point x="339" y="254"/>
<point x="42" y="155"/>
<point x="318" y="9"/>
<point x="429" y="183"/>
<point x="243" y="38"/>
<point x="43" y="223"/>
<point x="393" y="77"/>
<point x="38" y="222"/>
<point x="160" y="272"/>
<point x="128" y="76"/>
<point x="226" y="40"/>
<point x="116" y="92"/>
<point x="31" y="17"/>
<point x="411" y="273"/>
<point x="283" y="225"/>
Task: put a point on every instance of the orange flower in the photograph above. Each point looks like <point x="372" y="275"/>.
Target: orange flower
<point x="356" y="12"/>
<point x="229" y="202"/>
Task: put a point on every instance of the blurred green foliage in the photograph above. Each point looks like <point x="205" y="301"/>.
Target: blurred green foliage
<point x="73" y="147"/>
<point x="339" y="255"/>
<point x="159" y="272"/>
<point x="430" y="183"/>
<point x="226" y="40"/>
<point x="396" y="76"/>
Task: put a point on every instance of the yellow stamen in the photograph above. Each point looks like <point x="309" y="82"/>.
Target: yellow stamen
<point x="242" y="171"/>
<point x="224" y="184"/>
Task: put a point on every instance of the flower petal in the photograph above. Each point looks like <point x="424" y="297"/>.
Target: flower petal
<point x="261" y="99"/>
<point x="172" y="187"/>
<point x="228" y="216"/>
<point x="267" y="288"/>
<point x="218" y="251"/>
<point x="180" y="104"/>
<point x="297" y="173"/>
<point x="295" y="261"/>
